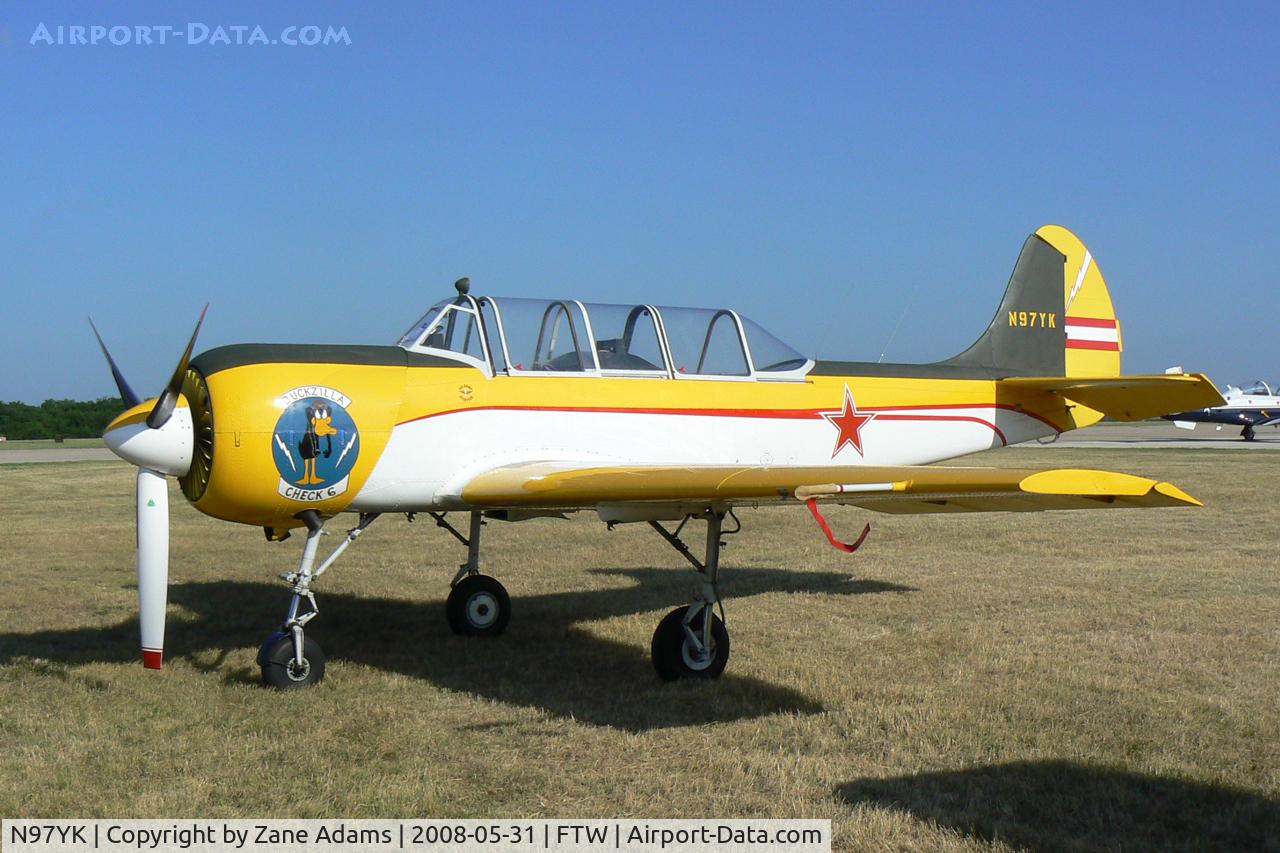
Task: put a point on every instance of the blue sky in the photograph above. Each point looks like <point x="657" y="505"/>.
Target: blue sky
<point x="832" y="170"/>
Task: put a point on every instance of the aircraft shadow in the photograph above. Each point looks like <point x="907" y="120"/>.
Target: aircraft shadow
<point x="1051" y="806"/>
<point x="544" y="660"/>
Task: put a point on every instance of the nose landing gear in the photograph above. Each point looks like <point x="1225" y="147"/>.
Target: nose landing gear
<point x="290" y="659"/>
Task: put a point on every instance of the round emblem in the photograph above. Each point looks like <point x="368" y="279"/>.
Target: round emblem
<point x="315" y="443"/>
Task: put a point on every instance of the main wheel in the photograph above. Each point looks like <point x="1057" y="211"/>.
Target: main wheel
<point x="478" y="606"/>
<point x="279" y="669"/>
<point x="674" y="657"/>
<point x="1248" y="433"/>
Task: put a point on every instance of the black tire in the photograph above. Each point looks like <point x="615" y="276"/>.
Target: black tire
<point x="264" y="651"/>
<point x="673" y="656"/>
<point x="478" y="606"/>
<point x="279" y="669"/>
<point x="1248" y="433"/>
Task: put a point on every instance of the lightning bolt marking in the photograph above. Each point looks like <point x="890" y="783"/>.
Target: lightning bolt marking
<point x="343" y="454"/>
<point x="287" y="454"/>
<point x="1084" y="268"/>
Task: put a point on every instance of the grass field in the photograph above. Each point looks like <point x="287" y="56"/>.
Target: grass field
<point x="1102" y="680"/>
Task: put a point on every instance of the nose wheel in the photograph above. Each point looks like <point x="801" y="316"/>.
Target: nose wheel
<point x="281" y="667"/>
<point x="289" y="658"/>
<point x="478" y="606"/>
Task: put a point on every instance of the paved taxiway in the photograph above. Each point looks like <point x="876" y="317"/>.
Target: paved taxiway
<point x="1164" y="434"/>
<point x="56" y="454"/>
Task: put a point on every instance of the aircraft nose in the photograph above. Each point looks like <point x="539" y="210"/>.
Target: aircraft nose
<point x="166" y="449"/>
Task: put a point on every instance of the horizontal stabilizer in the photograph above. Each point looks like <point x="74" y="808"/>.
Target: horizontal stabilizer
<point x="1185" y="424"/>
<point x="1127" y="398"/>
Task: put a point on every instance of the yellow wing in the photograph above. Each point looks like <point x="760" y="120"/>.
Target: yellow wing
<point x="895" y="489"/>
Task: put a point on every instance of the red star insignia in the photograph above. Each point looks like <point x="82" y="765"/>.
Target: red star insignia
<point x="849" y="423"/>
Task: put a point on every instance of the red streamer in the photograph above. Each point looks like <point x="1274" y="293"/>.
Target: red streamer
<point x="831" y="537"/>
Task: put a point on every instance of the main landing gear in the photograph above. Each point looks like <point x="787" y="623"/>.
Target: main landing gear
<point x="1248" y="433"/>
<point x="478" y="605"/>
<point x="692" y="641"/>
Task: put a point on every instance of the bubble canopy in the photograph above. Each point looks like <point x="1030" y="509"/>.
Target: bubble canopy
<point x="1258" y="388"/>
<point x="565" y="337"/>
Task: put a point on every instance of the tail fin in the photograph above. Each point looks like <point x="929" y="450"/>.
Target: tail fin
<point x="1057" y="334"/>
<point x="1056" y="318"/>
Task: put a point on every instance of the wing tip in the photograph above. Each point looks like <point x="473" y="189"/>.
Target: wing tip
<point x="1169" y="490"/>
<point x="1093" y="483"/>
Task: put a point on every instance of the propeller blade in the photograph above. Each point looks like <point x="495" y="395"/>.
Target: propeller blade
<point x="126" y="393"/>
<point x="153" y="563"/>
<point x="169" y="397"/>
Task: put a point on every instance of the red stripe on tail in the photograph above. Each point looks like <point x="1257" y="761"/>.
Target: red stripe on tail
<point x="1075" y="343"/>
<point x="1090" y="321"/>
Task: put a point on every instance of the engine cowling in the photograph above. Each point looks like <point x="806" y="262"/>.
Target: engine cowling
<point x="280" y="429"/>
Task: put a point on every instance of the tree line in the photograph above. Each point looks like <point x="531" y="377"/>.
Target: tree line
<point x="58" y="418"/>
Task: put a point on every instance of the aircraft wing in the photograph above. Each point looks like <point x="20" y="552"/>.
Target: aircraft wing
<point x="1128" y="398"/>
<point x="895" y="489"/>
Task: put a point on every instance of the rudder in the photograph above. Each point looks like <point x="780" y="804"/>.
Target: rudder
<point x="1093" y="342"/>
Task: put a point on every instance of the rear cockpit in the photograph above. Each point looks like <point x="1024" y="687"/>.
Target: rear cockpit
<point x="565" y="337"/>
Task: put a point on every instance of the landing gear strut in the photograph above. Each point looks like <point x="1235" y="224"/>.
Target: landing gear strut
<point x="289" y="658"/>
<point x="478" y="605"/>
<point x="692" y="641"/>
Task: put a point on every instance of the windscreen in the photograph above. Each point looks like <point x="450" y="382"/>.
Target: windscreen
<point x="415" y="332"/>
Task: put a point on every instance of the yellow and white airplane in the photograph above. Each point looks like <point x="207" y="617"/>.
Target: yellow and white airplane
<point x="512" y="409"/>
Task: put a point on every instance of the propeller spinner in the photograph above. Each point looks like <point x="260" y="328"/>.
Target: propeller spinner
<point x="157" y="436"/>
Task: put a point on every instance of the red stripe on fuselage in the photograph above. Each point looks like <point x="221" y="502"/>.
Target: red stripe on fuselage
<point x="773" y="414"/>
<point x="986" y="423"/>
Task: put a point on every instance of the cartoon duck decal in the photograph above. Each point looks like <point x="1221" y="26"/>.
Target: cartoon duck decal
<point x="319" y="425"/>
<point x="315" y="443"/>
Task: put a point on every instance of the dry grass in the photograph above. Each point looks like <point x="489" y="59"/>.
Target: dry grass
<point x="1053" y="681"/>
